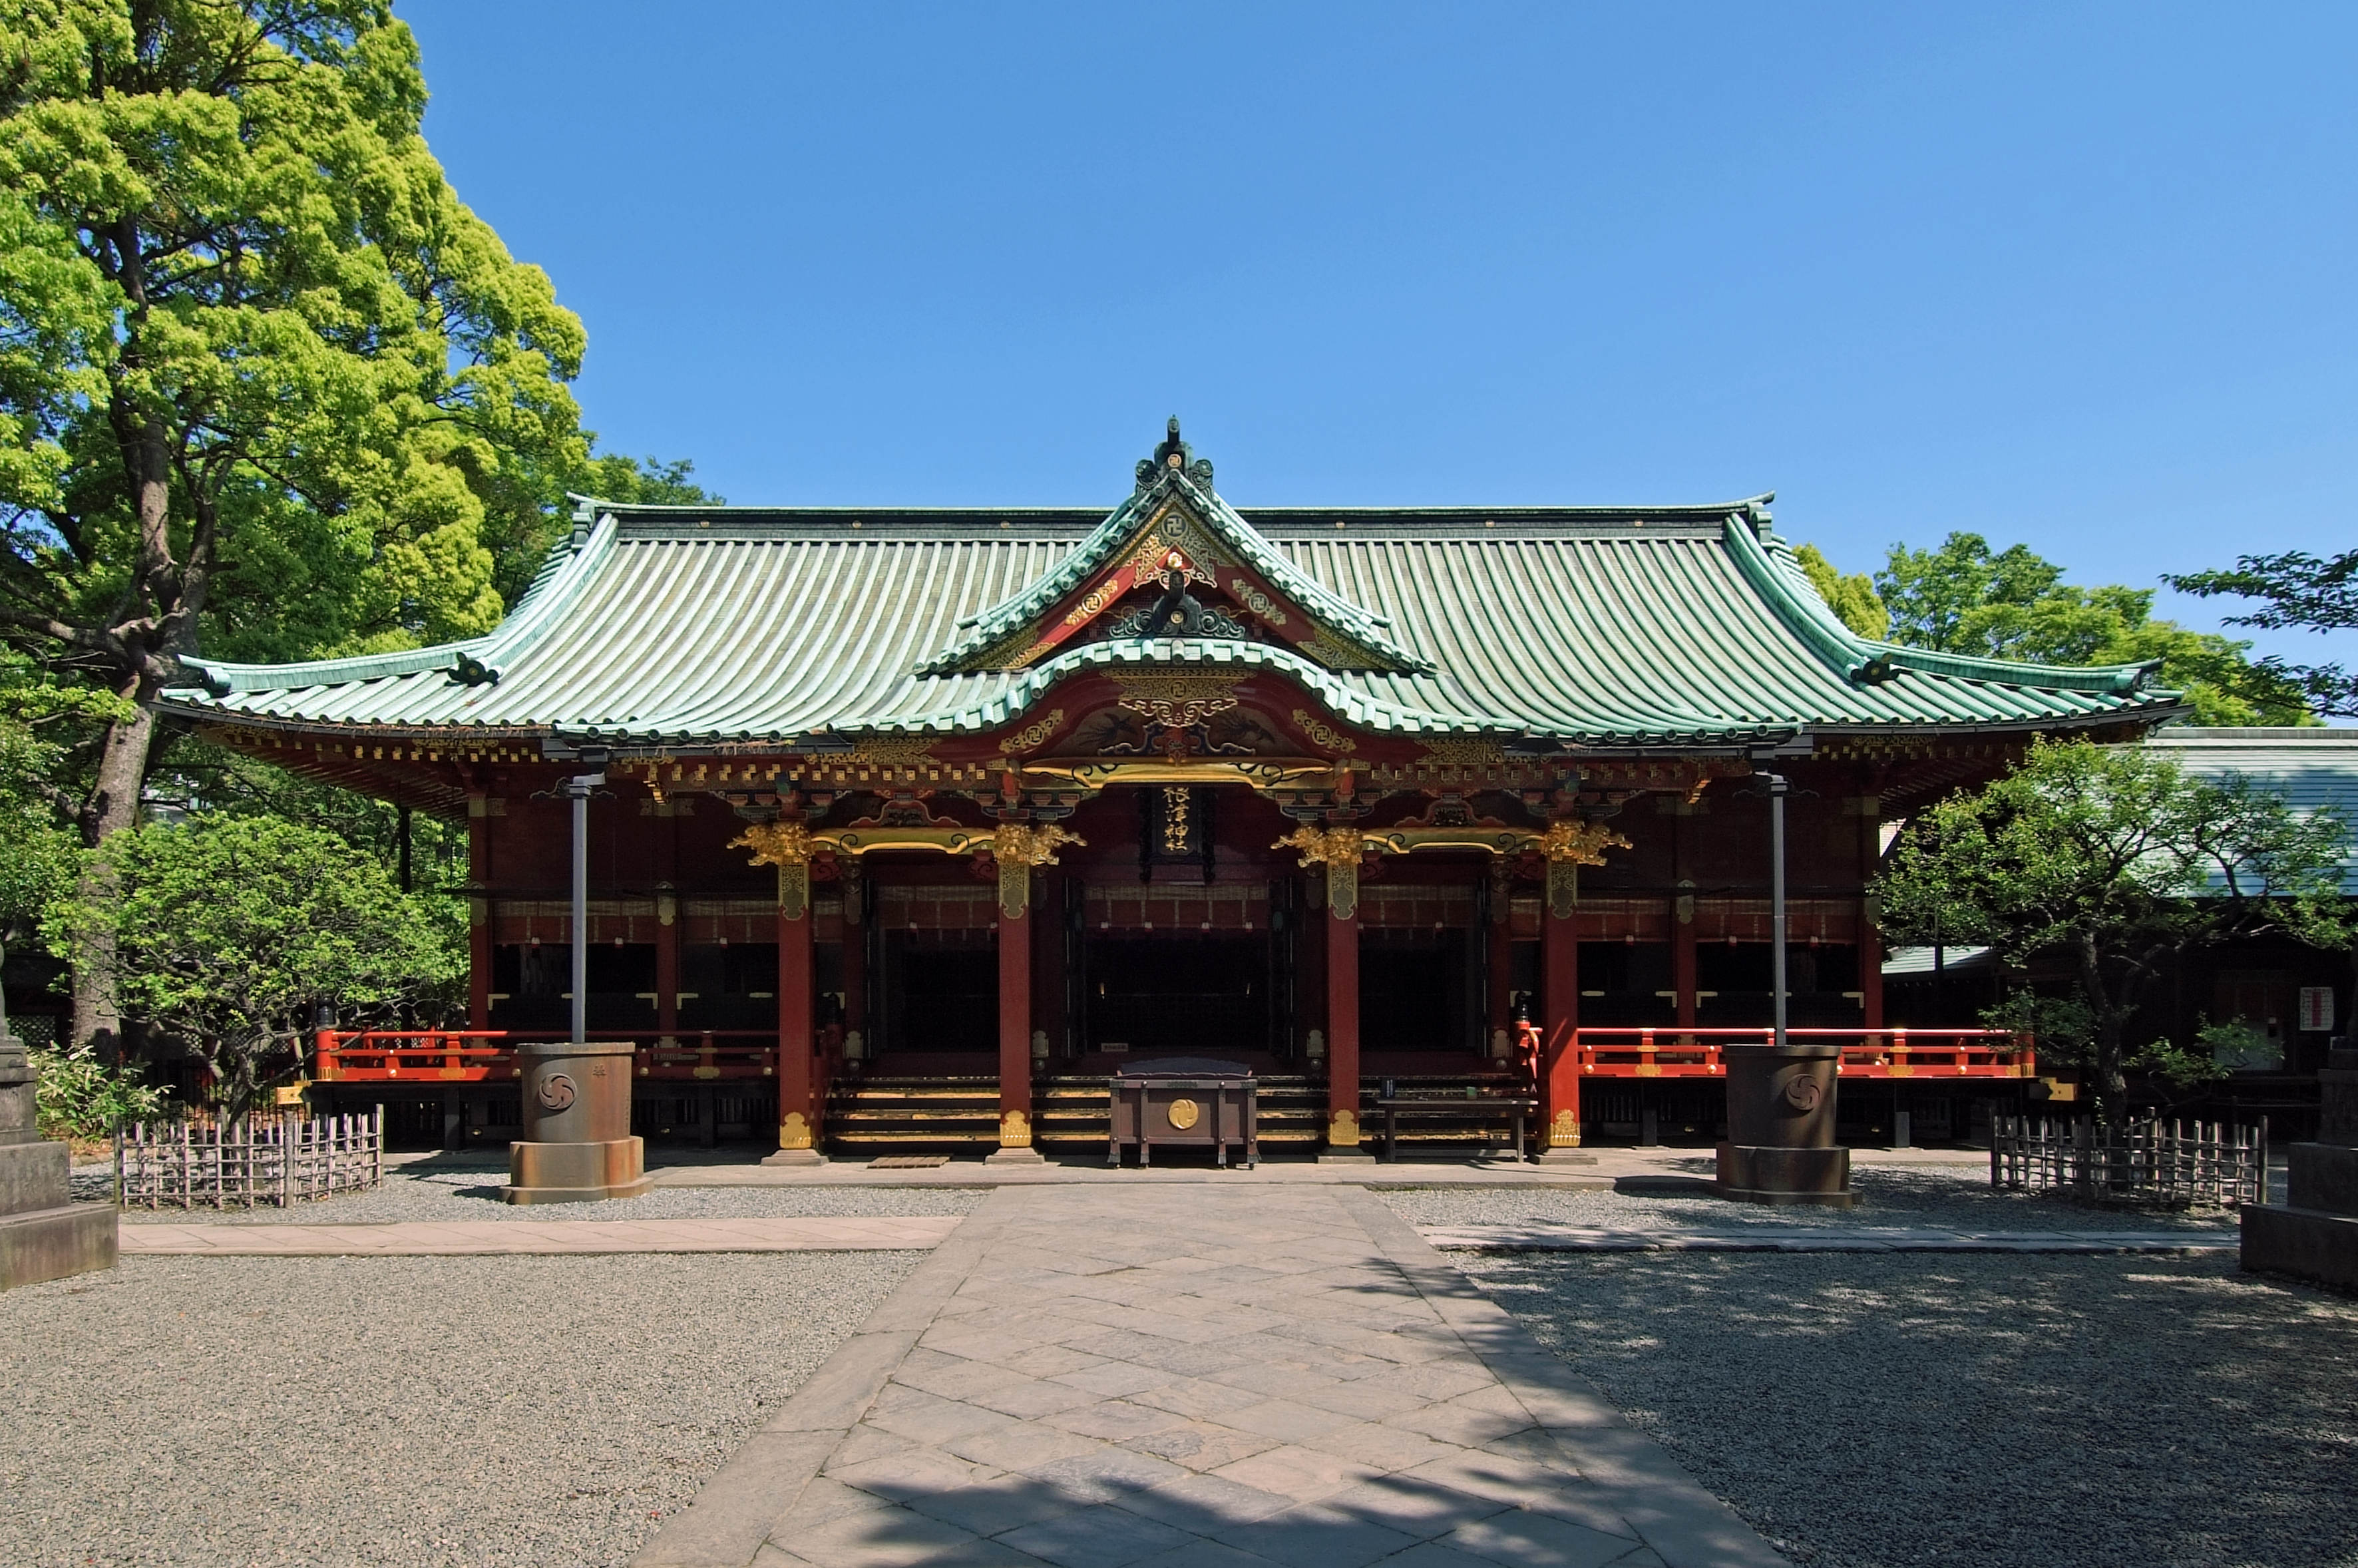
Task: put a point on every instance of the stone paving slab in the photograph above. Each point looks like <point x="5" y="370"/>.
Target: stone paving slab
<point x="1175" y="1375"/>
<point x="1817" y="1238"/>
<point x="485" y="1238"/>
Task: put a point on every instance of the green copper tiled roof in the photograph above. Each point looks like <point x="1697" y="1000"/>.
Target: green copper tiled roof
<point x="1097" y="552"/>
<point x="1601" y="629"/>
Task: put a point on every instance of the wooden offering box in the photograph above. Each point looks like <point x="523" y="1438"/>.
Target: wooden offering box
<point x="1189" y="1102"/>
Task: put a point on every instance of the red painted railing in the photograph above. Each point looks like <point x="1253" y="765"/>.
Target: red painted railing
<point x="1669" y="1051"/>
<point x="480" y="1055"/>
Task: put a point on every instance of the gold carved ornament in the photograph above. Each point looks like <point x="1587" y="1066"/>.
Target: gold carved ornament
<point x="1569" y="846"/>
<point x="1032" y="734"/>
<point x="787" y="845"/>
<point x="1338" y="850"/>
<point x="1018" y="848"/>
<point x="1177" y="700"/>
<point x="1322" y="735"/>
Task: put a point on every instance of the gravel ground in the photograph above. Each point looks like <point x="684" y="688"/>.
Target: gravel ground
<point x="468" y="1188"/>
<point x="1952" y="1197"/>
<point x="409" y="1411"/>
<point x="1870" y="1412"/>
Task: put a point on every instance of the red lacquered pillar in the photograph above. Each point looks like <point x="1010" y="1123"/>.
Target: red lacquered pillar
<point x="479" y="913"/>
<point x="1560" y="1001"/>
<point x="1499" y="1008"/>
<point x="798" y="1112"/>
<point x="855" y="959"/>
<point x="1014" y="1013"/>
<point x="1342" y="1009"/>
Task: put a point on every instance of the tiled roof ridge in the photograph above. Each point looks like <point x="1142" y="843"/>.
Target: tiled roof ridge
<point x="996" y="624"/>
<point x="1771" y="566"/>
<point x="570" y="566"/>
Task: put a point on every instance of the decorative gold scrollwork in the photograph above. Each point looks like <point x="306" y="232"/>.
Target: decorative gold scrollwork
<point x="1322" y="735"/>
<point x="1178" y="700"/>
<point x="1032" y="734"/>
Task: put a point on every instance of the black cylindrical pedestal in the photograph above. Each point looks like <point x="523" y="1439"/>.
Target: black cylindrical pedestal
<point x="577" y="1145"/>
<point x="1781" y="1127"/>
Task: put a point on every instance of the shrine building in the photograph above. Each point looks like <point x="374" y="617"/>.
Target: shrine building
<point x="915" y="824"/>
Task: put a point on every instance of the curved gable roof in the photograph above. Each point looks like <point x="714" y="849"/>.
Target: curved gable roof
<point x="1593" y="628"/>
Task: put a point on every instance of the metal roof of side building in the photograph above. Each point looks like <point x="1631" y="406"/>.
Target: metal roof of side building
<point x="1593" y="628"/>
<point x="2309" y="767"/>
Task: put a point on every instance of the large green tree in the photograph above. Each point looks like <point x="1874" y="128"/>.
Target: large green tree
<point x="2301" y="592"/>
<point x="2113" y="864"/>
<point x="268" y="388"/>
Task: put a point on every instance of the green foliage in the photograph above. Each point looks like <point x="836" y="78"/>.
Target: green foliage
<point x="39" y="857"/>
<point x="80" y="1097"/>
<point x="243" y="295"/>
<point x="2302" y="592"/>
<point x="1852" y="597"/>
<point x="2238" y="1043"/>
<point x="2114" y="863"/>
<point x="229" y="930"/>
<point x="213" y="782"/>
<point x="1965" y="598"/>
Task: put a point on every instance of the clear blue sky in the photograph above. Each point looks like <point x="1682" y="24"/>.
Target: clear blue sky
<point x="2077" y="275"/>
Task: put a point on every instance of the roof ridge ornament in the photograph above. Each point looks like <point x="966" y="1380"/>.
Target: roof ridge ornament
<point x="1174" y="456"/>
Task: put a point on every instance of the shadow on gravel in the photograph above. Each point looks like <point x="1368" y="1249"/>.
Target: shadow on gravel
<point x="2073" y="1413"/>
<point x="1665" y="1188"/>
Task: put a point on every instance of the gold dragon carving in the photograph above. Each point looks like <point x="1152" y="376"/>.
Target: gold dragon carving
<point x="1337" y="849"/>
<point x="1018" y="848"/>
<point x="787" y="845"/>
<point x="1569" y="846"/>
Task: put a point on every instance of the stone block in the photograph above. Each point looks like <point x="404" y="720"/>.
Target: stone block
<point x="2302" y="1243"/>
<point x="1755" y="1173"/>
<point x="33" y="1176"/>
<point x="2322" y="1176"/>
<point x="576" y="1173"/>
<point x="51" y="1243"/>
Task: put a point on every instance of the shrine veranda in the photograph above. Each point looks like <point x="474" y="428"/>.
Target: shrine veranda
<point x="917" y="824"/>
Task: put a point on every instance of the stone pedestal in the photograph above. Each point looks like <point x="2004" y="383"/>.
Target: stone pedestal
<point x="44" y="1235"/>
<point x="1781" y="1128"/>
<point x="577" y="1145"/>
<point x="2315" y="1235"/>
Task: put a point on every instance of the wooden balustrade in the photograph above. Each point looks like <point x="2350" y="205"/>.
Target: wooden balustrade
<point x="1667" y="1050"/>
<point x="488" y="1056"/>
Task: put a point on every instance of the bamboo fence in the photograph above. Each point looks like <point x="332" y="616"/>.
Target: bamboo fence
<point x="2179" y="1163"/>
<point x="280" y="1161"/>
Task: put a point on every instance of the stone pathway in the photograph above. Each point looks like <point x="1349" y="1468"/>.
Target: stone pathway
<point x="1197" y="1376"/>
<point x="482" y="1237"/>
<point x="1544" y="1238"/>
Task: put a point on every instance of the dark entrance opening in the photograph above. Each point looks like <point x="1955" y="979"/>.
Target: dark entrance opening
<point x="1178" y="995"/>
<point x="941" y="992"/>
<point x="1416" y="991"/>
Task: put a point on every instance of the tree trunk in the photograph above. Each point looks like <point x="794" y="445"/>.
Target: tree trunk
<point x="2111" y="1021"/>
<point x="113" y="806"/>
<point x="113" y="803"/>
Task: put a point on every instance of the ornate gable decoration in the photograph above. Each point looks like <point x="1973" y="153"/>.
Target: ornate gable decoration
<point x="1218" y="580"/>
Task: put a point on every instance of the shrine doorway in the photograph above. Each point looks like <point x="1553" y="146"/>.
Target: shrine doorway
<point x="1165" y="970"/>
<point x="1177" y="995"/>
